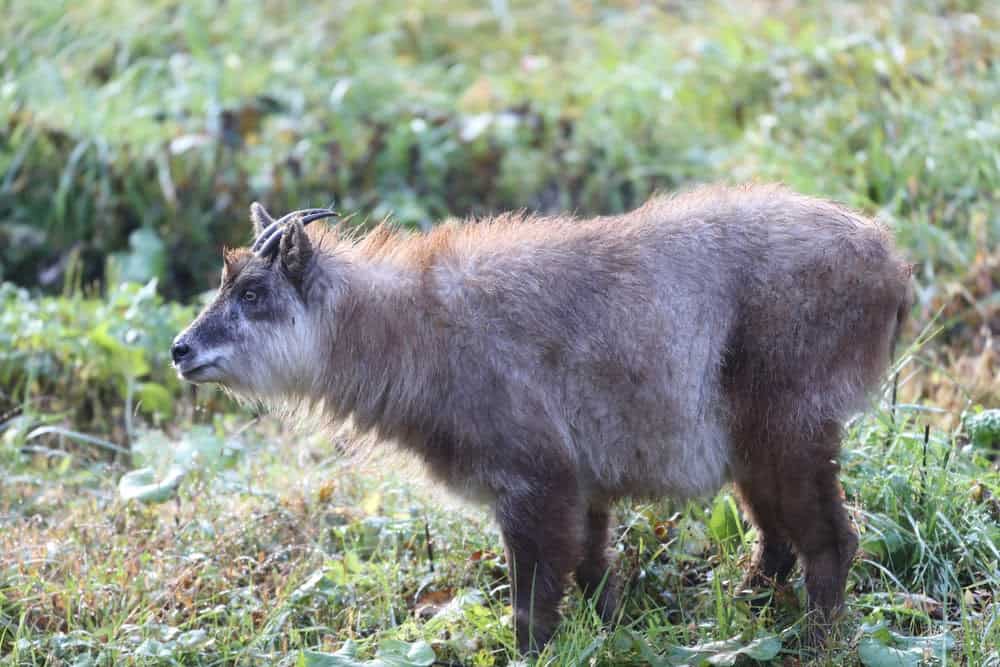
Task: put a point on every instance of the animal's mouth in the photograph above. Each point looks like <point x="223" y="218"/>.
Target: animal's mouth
<point x="196" y="371"/>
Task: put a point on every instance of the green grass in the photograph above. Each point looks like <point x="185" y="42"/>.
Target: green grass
<point x="263" y="553"/>
<point x="133" y="135"/>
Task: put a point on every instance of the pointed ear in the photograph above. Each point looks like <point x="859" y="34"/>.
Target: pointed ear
<point x="260" y="218"/>
<point x="296" y="251"/>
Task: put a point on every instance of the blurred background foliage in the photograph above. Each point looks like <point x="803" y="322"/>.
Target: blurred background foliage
<point x="134" y="134"/>
<point x="147" y="127"/>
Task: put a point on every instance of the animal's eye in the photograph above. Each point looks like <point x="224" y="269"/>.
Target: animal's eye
<point x="249" y="295"/>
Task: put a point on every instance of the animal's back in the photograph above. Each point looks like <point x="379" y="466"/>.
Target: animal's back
<point x="639" y="337"/>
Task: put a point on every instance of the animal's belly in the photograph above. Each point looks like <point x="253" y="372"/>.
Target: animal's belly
<point x="681" y="464"/>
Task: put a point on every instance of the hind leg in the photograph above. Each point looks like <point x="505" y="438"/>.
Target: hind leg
<point x="790" y="490"/>
<point x="773" y="558"/>
<point x="596" y="574"/>
<point x="825" y="541"/>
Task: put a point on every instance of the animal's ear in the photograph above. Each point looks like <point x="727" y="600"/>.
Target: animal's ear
<point x="260" y="218"/>
<point x="296" y="251"/>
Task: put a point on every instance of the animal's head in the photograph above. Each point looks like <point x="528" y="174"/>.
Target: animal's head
<point x="260" y="333"/>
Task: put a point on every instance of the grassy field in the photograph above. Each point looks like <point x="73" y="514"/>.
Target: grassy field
<point x="144" y="523"/>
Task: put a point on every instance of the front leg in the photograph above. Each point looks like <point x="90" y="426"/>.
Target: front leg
<point x="543" y="538"/>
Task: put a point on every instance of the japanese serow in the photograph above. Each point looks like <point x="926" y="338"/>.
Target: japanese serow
<point x="549" y="366"/>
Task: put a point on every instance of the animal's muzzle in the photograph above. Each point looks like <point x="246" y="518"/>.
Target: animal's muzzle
<point x="179" y="350"/>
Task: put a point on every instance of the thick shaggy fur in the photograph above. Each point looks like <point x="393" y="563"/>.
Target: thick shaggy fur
<point x="549" y="366"/>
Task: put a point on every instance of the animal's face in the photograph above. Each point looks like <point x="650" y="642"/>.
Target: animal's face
<point x="258" y="335"/>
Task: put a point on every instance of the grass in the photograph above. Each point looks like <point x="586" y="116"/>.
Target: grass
<point x="262" y="554"/>
<point x="134" y="134"/>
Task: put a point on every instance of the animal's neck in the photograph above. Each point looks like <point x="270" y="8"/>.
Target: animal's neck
<point x="388" y="361"/>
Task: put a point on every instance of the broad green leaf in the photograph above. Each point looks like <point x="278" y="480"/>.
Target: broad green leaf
<point x="935" y="643"/>
<point x="395" y="653"/>
<point x="101" y="335"/>
<point x="155" y="397"/>
<point x="725" y="652"/>
<point x="763" y="648"/>
<point x="342" y="658"/>
<point x="885" y="648"/>
<point x="193" y="639"/>
<point x="128" y="360"/>
<point x="878" y="630"/>
<point x="724" y="525"/>
<point x="391" y="653"/>
<point x="151" y="648"/>
<point x="984" y="428"/>
<point x="318" y="659"/>
<point x="145" y="260"/>
<point x="873" y="653"/>
<point x="143" y="486"/>
<point x="318" y="582"/>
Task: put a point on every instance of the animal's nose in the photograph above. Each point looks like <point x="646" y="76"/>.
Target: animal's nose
<point x="179" y="350"/>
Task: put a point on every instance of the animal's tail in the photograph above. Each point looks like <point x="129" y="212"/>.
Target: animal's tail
<point x="905" y="305"/>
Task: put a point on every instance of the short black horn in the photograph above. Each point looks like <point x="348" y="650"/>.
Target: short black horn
<point x="268" y="241"/>
<point x="269" y="231"/>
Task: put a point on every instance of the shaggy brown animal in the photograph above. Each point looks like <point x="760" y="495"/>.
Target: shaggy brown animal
<point x="549" y="366"/>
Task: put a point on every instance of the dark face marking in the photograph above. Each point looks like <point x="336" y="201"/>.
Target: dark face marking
<point x="231" y="339"/>
<point x="259" y="295"/>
